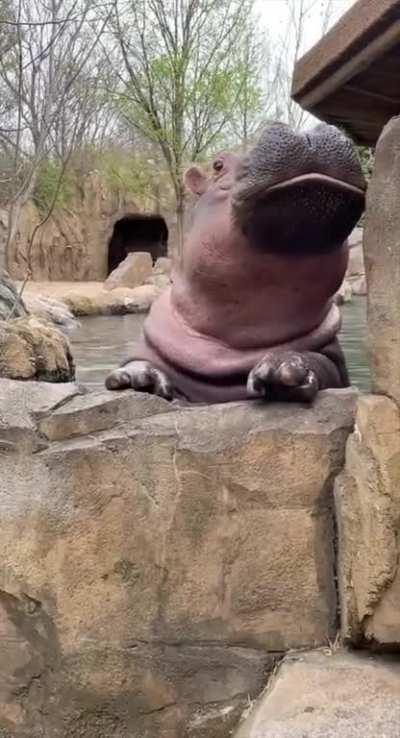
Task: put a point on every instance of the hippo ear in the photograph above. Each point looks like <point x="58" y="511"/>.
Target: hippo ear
<point x="196" y="180"/>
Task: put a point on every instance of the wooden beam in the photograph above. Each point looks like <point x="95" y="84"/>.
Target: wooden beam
<point x="363" y="23"/>
<point x="355" y="65"/>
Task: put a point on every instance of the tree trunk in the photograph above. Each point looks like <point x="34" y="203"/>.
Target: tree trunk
<point x="14" y="214"/>
<point x="180" y="214"/>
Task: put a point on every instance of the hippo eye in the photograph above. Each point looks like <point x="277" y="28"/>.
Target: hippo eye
<point x="218" y="165"/>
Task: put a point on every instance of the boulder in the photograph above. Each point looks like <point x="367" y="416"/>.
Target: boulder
<point x="31" y="348"/>
<point x="156" y="559"/>
<point x="327" y="694"/>
<point x="132" y="272"/>
<point x="367" y="498"/>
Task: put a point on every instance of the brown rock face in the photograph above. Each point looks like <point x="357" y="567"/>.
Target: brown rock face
<point x="155" y="559"/>
<point x="368" y="503"/>
<point x="73" y="243"/>
<point x="32" y="348"/>
<point x="382" y="260"/>
<point x="133" y="271"/>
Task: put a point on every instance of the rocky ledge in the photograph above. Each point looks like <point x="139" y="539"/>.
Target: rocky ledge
<point x="157" y="560"/>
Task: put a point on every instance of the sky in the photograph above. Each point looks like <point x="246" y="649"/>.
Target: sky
<point x="274" y="15"/>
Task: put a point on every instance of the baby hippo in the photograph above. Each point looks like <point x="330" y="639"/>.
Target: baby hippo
<point x="250" y="312"/>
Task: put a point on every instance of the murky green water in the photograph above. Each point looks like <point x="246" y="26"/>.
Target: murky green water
<point x="353" y="339"/>
<point x="101" y="343"/>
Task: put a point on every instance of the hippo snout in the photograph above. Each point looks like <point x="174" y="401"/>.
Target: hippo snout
<point x="299" y="191"/>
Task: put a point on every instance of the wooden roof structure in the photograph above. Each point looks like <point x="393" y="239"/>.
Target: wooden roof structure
<point x="351" y="78"/>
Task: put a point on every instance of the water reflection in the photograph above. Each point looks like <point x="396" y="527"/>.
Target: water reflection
<point x="101" y="343"/>
<point x="353" y="339"/>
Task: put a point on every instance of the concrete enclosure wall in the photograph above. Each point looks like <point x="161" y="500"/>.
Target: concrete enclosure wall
<point x="157" y="560"/>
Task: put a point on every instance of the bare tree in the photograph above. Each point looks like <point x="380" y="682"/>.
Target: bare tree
<point x="50" y="47"/>
<point x="179" y="75"/>
<point x="301" y="14"/>
<point x="252" y="106"/>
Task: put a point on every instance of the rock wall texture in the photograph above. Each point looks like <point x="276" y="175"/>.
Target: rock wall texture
<point x="368" y="492"/>
<point x="382" y="259"/>
<point x="368" y="513"/>
<point x="157" y="559"/>
<point x="73" y="244"/>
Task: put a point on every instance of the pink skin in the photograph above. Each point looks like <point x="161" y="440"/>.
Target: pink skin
<point x="225" y="285"/>
<point x="230" y="303"/>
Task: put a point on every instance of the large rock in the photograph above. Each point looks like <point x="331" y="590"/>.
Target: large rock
<point x="154" y="564"/>
<point x="119" y="301"/>
<point x="382" y="260"/>
<point x="329" y="695"/>
<point x="132" y="272"/>
<point x="368" y="504"/>
<point x="31" y="348"/>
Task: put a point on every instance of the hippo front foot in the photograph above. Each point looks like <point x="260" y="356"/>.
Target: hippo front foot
<point x="285" y="376"/>
<point x="142" y="377"/>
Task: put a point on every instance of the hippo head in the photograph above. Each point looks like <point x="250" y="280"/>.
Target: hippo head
<point x="294" y="193"/>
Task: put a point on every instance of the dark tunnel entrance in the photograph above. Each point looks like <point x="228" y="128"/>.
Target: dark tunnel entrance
<point x="137" y="232"/>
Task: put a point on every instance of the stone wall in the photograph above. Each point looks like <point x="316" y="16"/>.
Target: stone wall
<point x="156" y="560"/>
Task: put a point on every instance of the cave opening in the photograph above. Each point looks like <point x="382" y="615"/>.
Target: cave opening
<point x="137" y="232"/>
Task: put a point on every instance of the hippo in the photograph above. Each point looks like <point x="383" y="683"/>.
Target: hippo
<point x="251" y="311"/>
